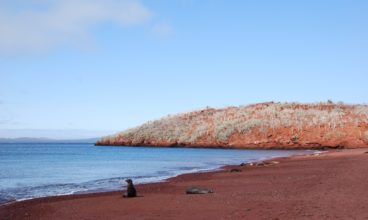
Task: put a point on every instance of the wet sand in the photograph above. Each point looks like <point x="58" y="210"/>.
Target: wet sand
<point x="333" y="185"/>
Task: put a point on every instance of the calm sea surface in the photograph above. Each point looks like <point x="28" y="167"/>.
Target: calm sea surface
<point x="38" y="170"/>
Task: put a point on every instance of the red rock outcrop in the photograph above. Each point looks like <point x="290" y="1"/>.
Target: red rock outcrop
<point x="264" y="125"/>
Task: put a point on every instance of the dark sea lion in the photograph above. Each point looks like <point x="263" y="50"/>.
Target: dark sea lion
<point x="198" y="190"/>
<point x="131" y="191"/>
<point x="235" y="170"/>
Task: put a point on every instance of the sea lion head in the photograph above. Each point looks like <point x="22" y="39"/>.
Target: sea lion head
<point x="128" y="181"/>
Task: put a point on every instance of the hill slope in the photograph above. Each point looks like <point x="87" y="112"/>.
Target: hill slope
<point x="264" y="125"/>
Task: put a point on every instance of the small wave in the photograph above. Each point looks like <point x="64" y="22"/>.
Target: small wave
<point x="100" y="185"/>
<point x="19" y="193"/>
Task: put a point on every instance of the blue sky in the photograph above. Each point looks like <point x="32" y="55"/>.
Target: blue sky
<point x="107" y="65"/>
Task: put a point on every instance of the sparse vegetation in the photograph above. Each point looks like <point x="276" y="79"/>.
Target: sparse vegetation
<point x="365" y="137"/>
<point x="218" y="125"/>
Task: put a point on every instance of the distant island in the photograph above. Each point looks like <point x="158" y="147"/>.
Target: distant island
<point x="27" y="140"/>
<point x="263" y="126"/>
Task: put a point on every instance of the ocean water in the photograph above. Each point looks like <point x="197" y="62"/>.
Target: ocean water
<point x="38" y="170"/>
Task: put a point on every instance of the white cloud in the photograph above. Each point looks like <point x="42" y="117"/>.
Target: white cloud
<point x="34" y="26"/>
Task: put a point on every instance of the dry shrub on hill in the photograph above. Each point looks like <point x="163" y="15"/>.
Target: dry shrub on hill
<point x="365" y="137"/>
<point x="218" y="125"/>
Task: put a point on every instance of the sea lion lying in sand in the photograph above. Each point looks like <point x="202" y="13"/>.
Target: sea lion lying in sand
<point x="131" y="191"/>
<point x="235" y="170"/>
<point x="198" y="190"/>
<point x="266" y="163"/>
<point x="262" y="164"/>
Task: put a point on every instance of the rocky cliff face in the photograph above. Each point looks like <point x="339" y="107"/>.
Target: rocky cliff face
<point x="264" y="125"/>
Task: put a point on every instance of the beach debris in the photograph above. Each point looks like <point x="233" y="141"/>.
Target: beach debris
<point x="261" y="164"/>
<point x="131" y="191"/>
<point x="235" y="170"/>
<point x="247" y="164"/>
<point x="198" y="190"/>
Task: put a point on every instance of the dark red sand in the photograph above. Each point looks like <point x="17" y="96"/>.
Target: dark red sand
<point x="330" y="186"/>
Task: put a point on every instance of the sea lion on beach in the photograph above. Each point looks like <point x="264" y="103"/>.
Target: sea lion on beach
<point x="262" y="163"/>
<point x="131" y="191"/>
<point x="266" y="163"/>
<point x="235" y="170"/>
<point x="198" y="190"/>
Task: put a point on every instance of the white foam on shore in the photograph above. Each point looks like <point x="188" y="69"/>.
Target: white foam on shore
<point x="117" y="183"/>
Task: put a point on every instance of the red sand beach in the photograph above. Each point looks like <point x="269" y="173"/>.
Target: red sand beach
<point x="332" y="185"/>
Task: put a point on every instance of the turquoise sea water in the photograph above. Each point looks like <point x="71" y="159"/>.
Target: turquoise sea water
<point x="38" y="170"/>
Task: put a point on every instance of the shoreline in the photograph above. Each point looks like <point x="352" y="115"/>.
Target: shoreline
<point x="204" y="170"/>
<point x="173" y="189"/>
<point x="248" y="146"/>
